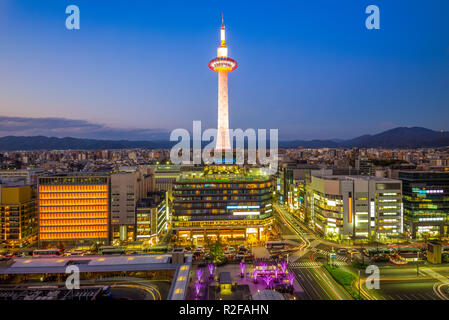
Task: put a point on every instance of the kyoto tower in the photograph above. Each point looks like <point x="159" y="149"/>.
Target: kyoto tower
<point x="223" y="65"/>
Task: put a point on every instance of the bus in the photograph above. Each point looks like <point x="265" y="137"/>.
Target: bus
<point x="75" y="253"/>
<point x="47" y="253"/>
<point x="275" y="245"/>
<point x="158" y="249"/>
<point x="112" y="250"/>
<point x="407" y="250"/>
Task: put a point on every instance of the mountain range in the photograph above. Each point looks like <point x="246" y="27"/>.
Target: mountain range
<point x="401" y="137"/>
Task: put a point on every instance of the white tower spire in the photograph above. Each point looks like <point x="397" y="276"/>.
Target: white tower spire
<point x="223" y="65"/>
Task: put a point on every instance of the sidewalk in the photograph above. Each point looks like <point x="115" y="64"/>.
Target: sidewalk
<point x="260" y="252"/>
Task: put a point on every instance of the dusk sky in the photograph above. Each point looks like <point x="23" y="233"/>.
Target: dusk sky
<point x="309" y="68"/>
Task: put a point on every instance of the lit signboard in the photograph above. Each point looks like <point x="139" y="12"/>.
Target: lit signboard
<point x="243" y="207"/>
<point x="249" y="213"/>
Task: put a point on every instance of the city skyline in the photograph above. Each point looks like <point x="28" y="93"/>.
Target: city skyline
<point x="127" y="58"/>
<point x="128" y="172"/>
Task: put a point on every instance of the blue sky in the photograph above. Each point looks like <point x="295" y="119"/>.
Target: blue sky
<point x="309" y="68"/>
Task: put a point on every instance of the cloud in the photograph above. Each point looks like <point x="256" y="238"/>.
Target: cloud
<point x="62" y="127"/>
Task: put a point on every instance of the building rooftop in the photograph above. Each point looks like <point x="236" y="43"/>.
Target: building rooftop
<point x="42" y="293"/>
<point x="355" y="177"/>
<point x="268" y="295"/>
<point x="107" y="263"/>
<point x="223" y="173"/>
<point x="225" y="278"/>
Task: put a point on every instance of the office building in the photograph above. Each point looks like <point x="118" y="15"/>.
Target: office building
<point x="426" y="203"/>
<point x="152" y="217"/>
<point x="224" y="201"/>
<point x="74" y="208"/>
<point x="165" y="176"/>
<point x="18" y="215"/>
<point x="356" y="207"/>
<point x="127" y="188"/>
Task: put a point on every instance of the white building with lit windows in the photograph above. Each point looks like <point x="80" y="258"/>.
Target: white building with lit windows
<point x="357" y="207"/>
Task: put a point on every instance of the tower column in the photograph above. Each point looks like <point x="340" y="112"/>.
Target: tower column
<point x="223" y="139"/>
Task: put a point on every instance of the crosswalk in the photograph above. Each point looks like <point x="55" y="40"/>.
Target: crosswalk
<point x="338" y="257"/>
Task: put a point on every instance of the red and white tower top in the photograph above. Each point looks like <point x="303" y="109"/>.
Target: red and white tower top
<point x="222" y="62"/>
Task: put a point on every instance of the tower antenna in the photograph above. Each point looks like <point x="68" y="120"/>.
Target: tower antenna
<point x="222" y="19"/>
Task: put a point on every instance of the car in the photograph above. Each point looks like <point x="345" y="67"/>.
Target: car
<point x="342" y="251"/>
<point x="240" y="256"/>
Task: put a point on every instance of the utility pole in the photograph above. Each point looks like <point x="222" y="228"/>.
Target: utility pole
<point x="417" y="263"/>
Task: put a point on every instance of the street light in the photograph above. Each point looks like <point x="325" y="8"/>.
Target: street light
<point x="417" y="263"/>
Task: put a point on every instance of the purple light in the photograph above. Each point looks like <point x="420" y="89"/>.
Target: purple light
<point x="199" y="274"/>
<point x="263" y="266"/>
<point x="211" y="268"/>
<point x="284" y="266"/>
<point x="197" y="288"/>
<point x="267" y="279"/>
<point x="290" y="278"/>
<point x="242" y="267"/>
<point x="276" y="272"/>
<point x="254" y="272"/>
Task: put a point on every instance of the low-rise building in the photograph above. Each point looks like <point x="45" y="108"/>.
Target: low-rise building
<point x="18" y="215"/>
<point x="152" y="217"/>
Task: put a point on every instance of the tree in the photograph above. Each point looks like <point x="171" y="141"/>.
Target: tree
<point x="216" y="250"/>
<point x="95" y="246"/>
<point x="61" y="245"/>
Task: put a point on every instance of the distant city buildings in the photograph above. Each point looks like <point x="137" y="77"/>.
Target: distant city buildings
<point x="133" y="173"/>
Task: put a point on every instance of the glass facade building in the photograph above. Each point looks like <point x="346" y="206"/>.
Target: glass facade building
<point x="426" y="203"/>
<point x="223" y="201"/>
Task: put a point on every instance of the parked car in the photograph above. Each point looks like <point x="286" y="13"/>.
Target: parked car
<point x="240" y="256"/>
